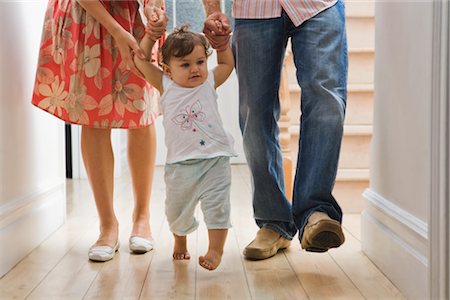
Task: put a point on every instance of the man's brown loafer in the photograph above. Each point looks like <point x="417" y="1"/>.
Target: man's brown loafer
<point x="266" y="244"/>
<point x="321" y="233"/>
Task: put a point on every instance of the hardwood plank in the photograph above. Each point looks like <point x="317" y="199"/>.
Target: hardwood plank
<point x="228" y="281"/>
<point x="352" y="223"/>
<point x="109" y="283"/>
<point x="320" y="276"/>
<point x="74" y="273"/>
<point x="166" y="278"/>
<point x="72" y="276"/>
<point x="272" y="278"/>
<point x="28" y="273"/>
<point x="59" y="267"/>
<point x="355" y="264"/>
<point x="124" y="276"/>
<point x="369" y="280"/>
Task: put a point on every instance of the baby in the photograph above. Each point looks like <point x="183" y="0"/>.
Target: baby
<point x="198" y="148"/>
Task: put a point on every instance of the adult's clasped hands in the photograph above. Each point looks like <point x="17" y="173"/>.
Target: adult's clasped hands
<point x="217" y="30"/>
<point x="157" y="22"/>
<point x="216" y="27"/>
<point x="127" y="44"/>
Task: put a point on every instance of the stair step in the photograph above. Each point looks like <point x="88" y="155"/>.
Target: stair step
<point x="359" y="109"/>
<point x="355" y="149"/>
<point x="358" y="130"/>
<point x="359" y="104"/>
<point x="360" y="67"/>
<point x="355" y="152"/>
<point x="361" y="50"/>
<point x="353" y="175"/>
<point x="349" y="195"/>
<point x="359" y="8"/>
<point x="360" y="32"/>
<point x="348" y="189"/>
<point x="351" y="87"/>
<point x="360" y="87"/>
<point x="350" y="184"/>
<point x="349" y="130"/>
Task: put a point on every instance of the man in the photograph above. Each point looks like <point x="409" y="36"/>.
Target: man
<point x="317" y="32"/>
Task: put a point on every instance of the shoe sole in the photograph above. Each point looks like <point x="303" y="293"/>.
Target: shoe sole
<point x="329" y="235"/>
<point x="257" y="254"/>
<point x="140" y="245"/>
<point x="96" y="258"/>
<point x="140" y="249"/>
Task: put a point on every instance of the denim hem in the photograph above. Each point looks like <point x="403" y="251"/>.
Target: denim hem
<point x="301" y="228"/>
<point x="279" y="230"/>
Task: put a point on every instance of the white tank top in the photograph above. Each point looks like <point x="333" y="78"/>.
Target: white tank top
<point x="192" y="123"/>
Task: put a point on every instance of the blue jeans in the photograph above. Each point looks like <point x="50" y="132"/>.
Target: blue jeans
<point x="319" y="48"/>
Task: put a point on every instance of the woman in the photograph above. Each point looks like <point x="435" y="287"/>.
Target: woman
<point x="86" y="76"/>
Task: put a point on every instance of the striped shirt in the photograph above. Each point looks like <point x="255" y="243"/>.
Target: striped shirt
<point x="298" y="10"/>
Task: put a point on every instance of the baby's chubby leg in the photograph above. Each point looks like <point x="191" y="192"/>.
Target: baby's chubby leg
<point x="181" y="201"/>
<point x="213" y="257"/>
<point x="180" y="251"/>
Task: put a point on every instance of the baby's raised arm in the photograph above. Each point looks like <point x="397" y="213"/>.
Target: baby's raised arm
<point x="225" y="65"/>
<point x="151" y="72"/>
<point x="217" y="31"/>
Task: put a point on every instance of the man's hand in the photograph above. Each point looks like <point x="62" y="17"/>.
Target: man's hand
<point x="217" y="30"/>
<point x="157" y="22"/>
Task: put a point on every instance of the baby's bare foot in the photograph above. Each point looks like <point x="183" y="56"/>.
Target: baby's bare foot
<point x="181" y="255"/>
<point x="211" y="260"/>
<point x="180" y="251"/>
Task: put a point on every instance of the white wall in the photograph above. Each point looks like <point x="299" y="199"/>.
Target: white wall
<point x="395" y="221"/>
<point x="402" y="104"/>
<point x="32" y="174"/>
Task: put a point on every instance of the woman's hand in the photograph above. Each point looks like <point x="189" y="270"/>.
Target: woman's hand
<point x="157" y="22"/>
<point x="126" y="42"/>
<point x="128" y="46"/>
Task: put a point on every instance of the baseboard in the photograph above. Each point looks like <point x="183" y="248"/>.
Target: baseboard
<point x="27" y="225"/>
<point x="397" y="242"/>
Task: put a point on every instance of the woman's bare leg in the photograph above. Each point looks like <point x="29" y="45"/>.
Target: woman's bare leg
<point x="98" y="159"/>
<point x="141" y="160"/>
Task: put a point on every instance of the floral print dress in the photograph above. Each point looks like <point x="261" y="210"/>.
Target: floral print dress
<point x="80" y="76"/>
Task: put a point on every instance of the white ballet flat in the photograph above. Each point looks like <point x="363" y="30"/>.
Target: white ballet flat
<point x="102" y="253"/>
<point x="140" y="245"/>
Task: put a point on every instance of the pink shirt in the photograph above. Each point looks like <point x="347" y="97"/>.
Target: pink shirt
<point x="298" y="10"/>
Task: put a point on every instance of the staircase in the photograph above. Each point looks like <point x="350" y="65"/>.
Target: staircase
<point x="353" y="173"/>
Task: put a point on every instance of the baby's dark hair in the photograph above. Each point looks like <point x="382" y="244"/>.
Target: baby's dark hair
<point x="181" y="42"/>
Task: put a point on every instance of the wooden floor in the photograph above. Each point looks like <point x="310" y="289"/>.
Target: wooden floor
<point x="59" y="267"/>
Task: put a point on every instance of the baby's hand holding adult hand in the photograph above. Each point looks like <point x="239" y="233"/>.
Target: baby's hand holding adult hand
<point x="217" y="24"/>
<point x="127" y="45"/>
<point x="217" y="30"/>
<point x="157" y="22"/>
